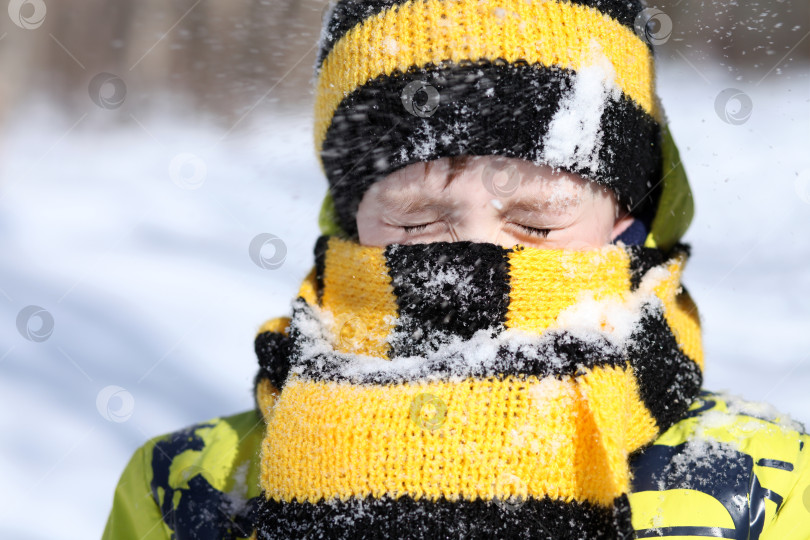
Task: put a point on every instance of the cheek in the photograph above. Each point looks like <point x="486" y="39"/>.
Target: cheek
<point x="593" y="229"/>
<point x="369" y="224"/>
<point x="372" y="230"/>
<point x="600" y="223"/>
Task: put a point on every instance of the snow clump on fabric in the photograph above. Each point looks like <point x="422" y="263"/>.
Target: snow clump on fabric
<point x="574" y="138"/>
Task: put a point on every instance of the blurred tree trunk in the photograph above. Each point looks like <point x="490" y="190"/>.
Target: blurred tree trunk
<point x="228" y="57"/>
<point x="120" y="14"/>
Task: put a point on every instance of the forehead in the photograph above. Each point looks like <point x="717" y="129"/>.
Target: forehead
<point x="503" y="178"/>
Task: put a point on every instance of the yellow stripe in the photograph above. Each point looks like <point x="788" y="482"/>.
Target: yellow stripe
<point x="642" y="428"/>
<point x="617" y="407"/>
<point x="681" y="312"/>
<point x="364" y="310"/>
<point x="543" y="284"/>
<point x="266" y="395"/>
<point x="276" y="324"/>
<point x="548" y="33"/>
<point x="474" y="439"/>
<point x="309" y="288"/>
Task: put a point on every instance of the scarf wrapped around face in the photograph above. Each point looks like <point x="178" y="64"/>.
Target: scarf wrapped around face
<point x="455" y="390"/>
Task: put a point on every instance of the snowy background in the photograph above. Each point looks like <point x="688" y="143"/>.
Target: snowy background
<point x="133" y="237"/>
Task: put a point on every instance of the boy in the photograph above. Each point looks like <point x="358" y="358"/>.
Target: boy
<point x="494" y="342"/>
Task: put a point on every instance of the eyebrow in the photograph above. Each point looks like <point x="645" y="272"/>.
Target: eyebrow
<point x="542" y="205"/>
<point x="410" y="204"/>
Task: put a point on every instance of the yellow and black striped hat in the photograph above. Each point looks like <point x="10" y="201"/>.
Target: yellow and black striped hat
<point x="566" y="83"/>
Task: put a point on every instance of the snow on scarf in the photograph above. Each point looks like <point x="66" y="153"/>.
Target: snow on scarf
<point x="454" y="390"/>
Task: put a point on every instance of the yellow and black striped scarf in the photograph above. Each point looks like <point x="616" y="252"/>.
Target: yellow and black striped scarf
<point x="454" y="390"/>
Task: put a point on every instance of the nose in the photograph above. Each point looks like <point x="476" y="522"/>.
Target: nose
<point x="482" y="229"/>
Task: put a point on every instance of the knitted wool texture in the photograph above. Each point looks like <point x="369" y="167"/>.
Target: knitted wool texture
<point x="467" y="390"/>
<point x="564" y="83"/>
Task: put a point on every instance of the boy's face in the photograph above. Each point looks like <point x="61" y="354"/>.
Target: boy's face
<point x="499" y="200"/>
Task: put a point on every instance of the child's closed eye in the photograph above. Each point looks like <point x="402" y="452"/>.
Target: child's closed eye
<point x="410" y="229"/>
<point x="532" y="231"/>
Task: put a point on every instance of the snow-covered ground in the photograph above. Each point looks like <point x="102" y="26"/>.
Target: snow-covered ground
<point x="135" y="241"/>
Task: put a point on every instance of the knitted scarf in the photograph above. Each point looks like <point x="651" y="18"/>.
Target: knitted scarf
<point x="459" y="389"/>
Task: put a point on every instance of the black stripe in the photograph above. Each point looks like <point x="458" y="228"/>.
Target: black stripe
<point x="669" y="381"/>
<point x="446" y="290"/>
<point x="556" y="354"/>
<point x="705" y="532"/>
<point x="273" y="352"/>
<point x="321" y="245"/>
<point x="775" y="464"/>
<point x="349" y="13"/>
<point x="642" y="260"/>
<point x="704" y="403"/>
<point x="773" y="496"/>
<point x="406" y="517"/>
<point x="484" y="108"/>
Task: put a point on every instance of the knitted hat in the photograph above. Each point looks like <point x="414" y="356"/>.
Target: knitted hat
<point x="568" y="84"/>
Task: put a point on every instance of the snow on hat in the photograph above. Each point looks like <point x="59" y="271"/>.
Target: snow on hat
<point x="569" y="84"/>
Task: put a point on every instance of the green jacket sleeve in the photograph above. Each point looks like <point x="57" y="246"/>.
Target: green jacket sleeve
<point x="792" y="521"/>
<point x="135" y="515"/>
